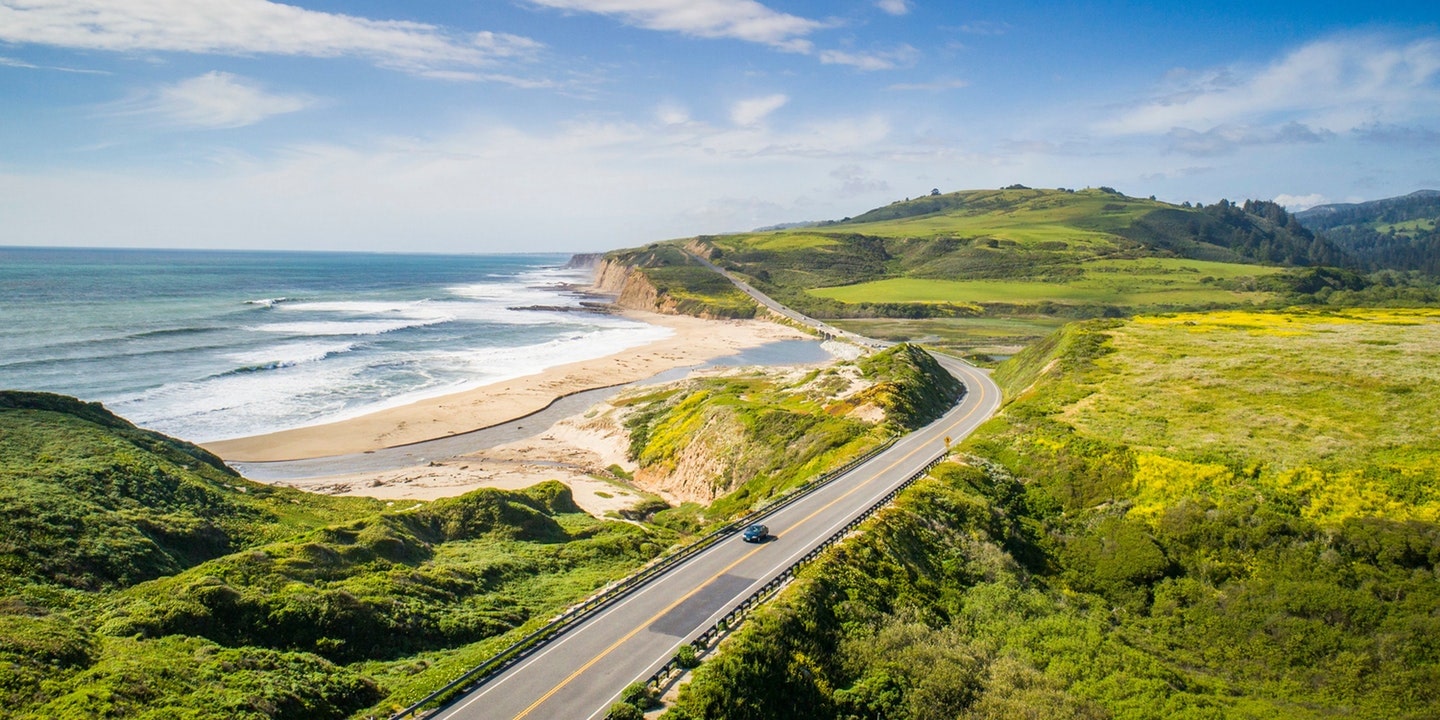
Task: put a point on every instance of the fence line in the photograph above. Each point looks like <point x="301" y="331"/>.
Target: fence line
<point x="712" y="635"/>
<point x="523" y="647"/>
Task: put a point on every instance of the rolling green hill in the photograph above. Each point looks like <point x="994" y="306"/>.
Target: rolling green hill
<point x="991" y="269"/>
<point x="1018" y="248"/>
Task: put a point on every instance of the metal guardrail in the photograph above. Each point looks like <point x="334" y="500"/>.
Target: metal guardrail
<point x="712" y="635"/>
<point x="523" y="647"/>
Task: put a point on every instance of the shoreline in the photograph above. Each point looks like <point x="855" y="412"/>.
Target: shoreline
<point x="694" y="341"/>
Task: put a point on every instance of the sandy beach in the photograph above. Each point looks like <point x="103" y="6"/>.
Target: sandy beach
<point x="577" y="451"/>
<point x="694" y="341"/>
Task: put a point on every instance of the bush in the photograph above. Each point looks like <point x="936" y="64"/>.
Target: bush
<point x="686" y="657"/>
<point x="625" y="711"/>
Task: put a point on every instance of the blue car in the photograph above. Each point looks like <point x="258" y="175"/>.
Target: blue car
<point x="756" y="533"/>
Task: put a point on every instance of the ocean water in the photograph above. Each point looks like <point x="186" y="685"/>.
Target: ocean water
<point x="208" y="345"/>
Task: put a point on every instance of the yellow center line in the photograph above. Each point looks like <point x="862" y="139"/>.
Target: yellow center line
<point x="581" y="670"/>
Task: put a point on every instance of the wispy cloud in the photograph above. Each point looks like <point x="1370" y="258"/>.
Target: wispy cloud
<point x="903" y="56"/>
<point x="215" y="100"/>
<point x="248" y="27"/>
<point x="855" y="180"/>
<point x="894" y="7"/>
<point x="12" y="62"/>
<point x="753" y="111"/>
<point x="984" y="27"/>
<point x="1223" y="139"/>
<point x="1390" y="134"/>
<point x="736" y="19"/>
<point x="1338" y="84"/>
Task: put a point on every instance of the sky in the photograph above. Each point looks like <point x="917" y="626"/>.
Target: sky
<point x="588" y="125"/>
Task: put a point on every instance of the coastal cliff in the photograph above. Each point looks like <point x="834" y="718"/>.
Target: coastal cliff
<point x="664" y="279"/>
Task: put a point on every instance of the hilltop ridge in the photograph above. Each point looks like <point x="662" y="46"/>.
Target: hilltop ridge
<point x="1398" y="233"/>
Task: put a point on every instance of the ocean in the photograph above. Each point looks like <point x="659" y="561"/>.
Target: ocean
<point x="210" y="345"/>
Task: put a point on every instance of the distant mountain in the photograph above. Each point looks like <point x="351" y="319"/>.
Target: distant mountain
<point x="1421" y="203"/>
<point x="1398" y="233"/>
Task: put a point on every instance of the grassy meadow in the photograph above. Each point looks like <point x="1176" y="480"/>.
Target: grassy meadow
<point x="1338" y="408"/>
<point x="1151" y="282"/>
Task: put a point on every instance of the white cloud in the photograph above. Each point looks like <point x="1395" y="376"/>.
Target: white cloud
<point x="736" y="19"/>
<point x="1296" y="203"/>
<point x="215" y="100"/>
<point x="247" y="27"/>
<point x="1337" y="84"/>
<point x="672" y="114"/>
<point x="485" y="188"/>
<point x="12" y="62"/>
<point x="903" y="56"/>
<point x="753" y="111"/>
<point x="894" y="7"/>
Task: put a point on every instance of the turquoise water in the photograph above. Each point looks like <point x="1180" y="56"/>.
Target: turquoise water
<point x="207" y="345"/>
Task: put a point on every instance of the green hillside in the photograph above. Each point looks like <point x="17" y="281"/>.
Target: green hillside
<point x="91" y="502"/>
<point x="996" y="250"/>
<point x="1222" y="515"/>
<point x="976" y="262"/>
<point x="1394" y="234"/>
<point x="761" y="435"/>
<point x="140" y="577"/>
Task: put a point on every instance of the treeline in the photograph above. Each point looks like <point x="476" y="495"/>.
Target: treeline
<point x="1392" y="234"/>
<point x="1255" y="231"/>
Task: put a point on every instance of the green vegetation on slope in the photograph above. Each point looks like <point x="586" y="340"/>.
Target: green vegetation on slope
<point x="141" y="578"/>
<point x="1028" y="254"/>
<point x="760" y="436"/>
<point x="692" y="288"/>
<point x="1194" y="516"/>
<point x="1395" y="233"/>
<point x="89" y="501"/>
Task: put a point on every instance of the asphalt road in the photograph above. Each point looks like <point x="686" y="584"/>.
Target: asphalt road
<point x="579" y="675"/>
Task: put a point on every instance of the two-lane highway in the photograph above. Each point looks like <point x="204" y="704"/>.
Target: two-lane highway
<point x="581" y="673"/>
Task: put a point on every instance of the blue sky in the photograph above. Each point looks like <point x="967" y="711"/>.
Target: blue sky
<point x="516" y="125"/>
